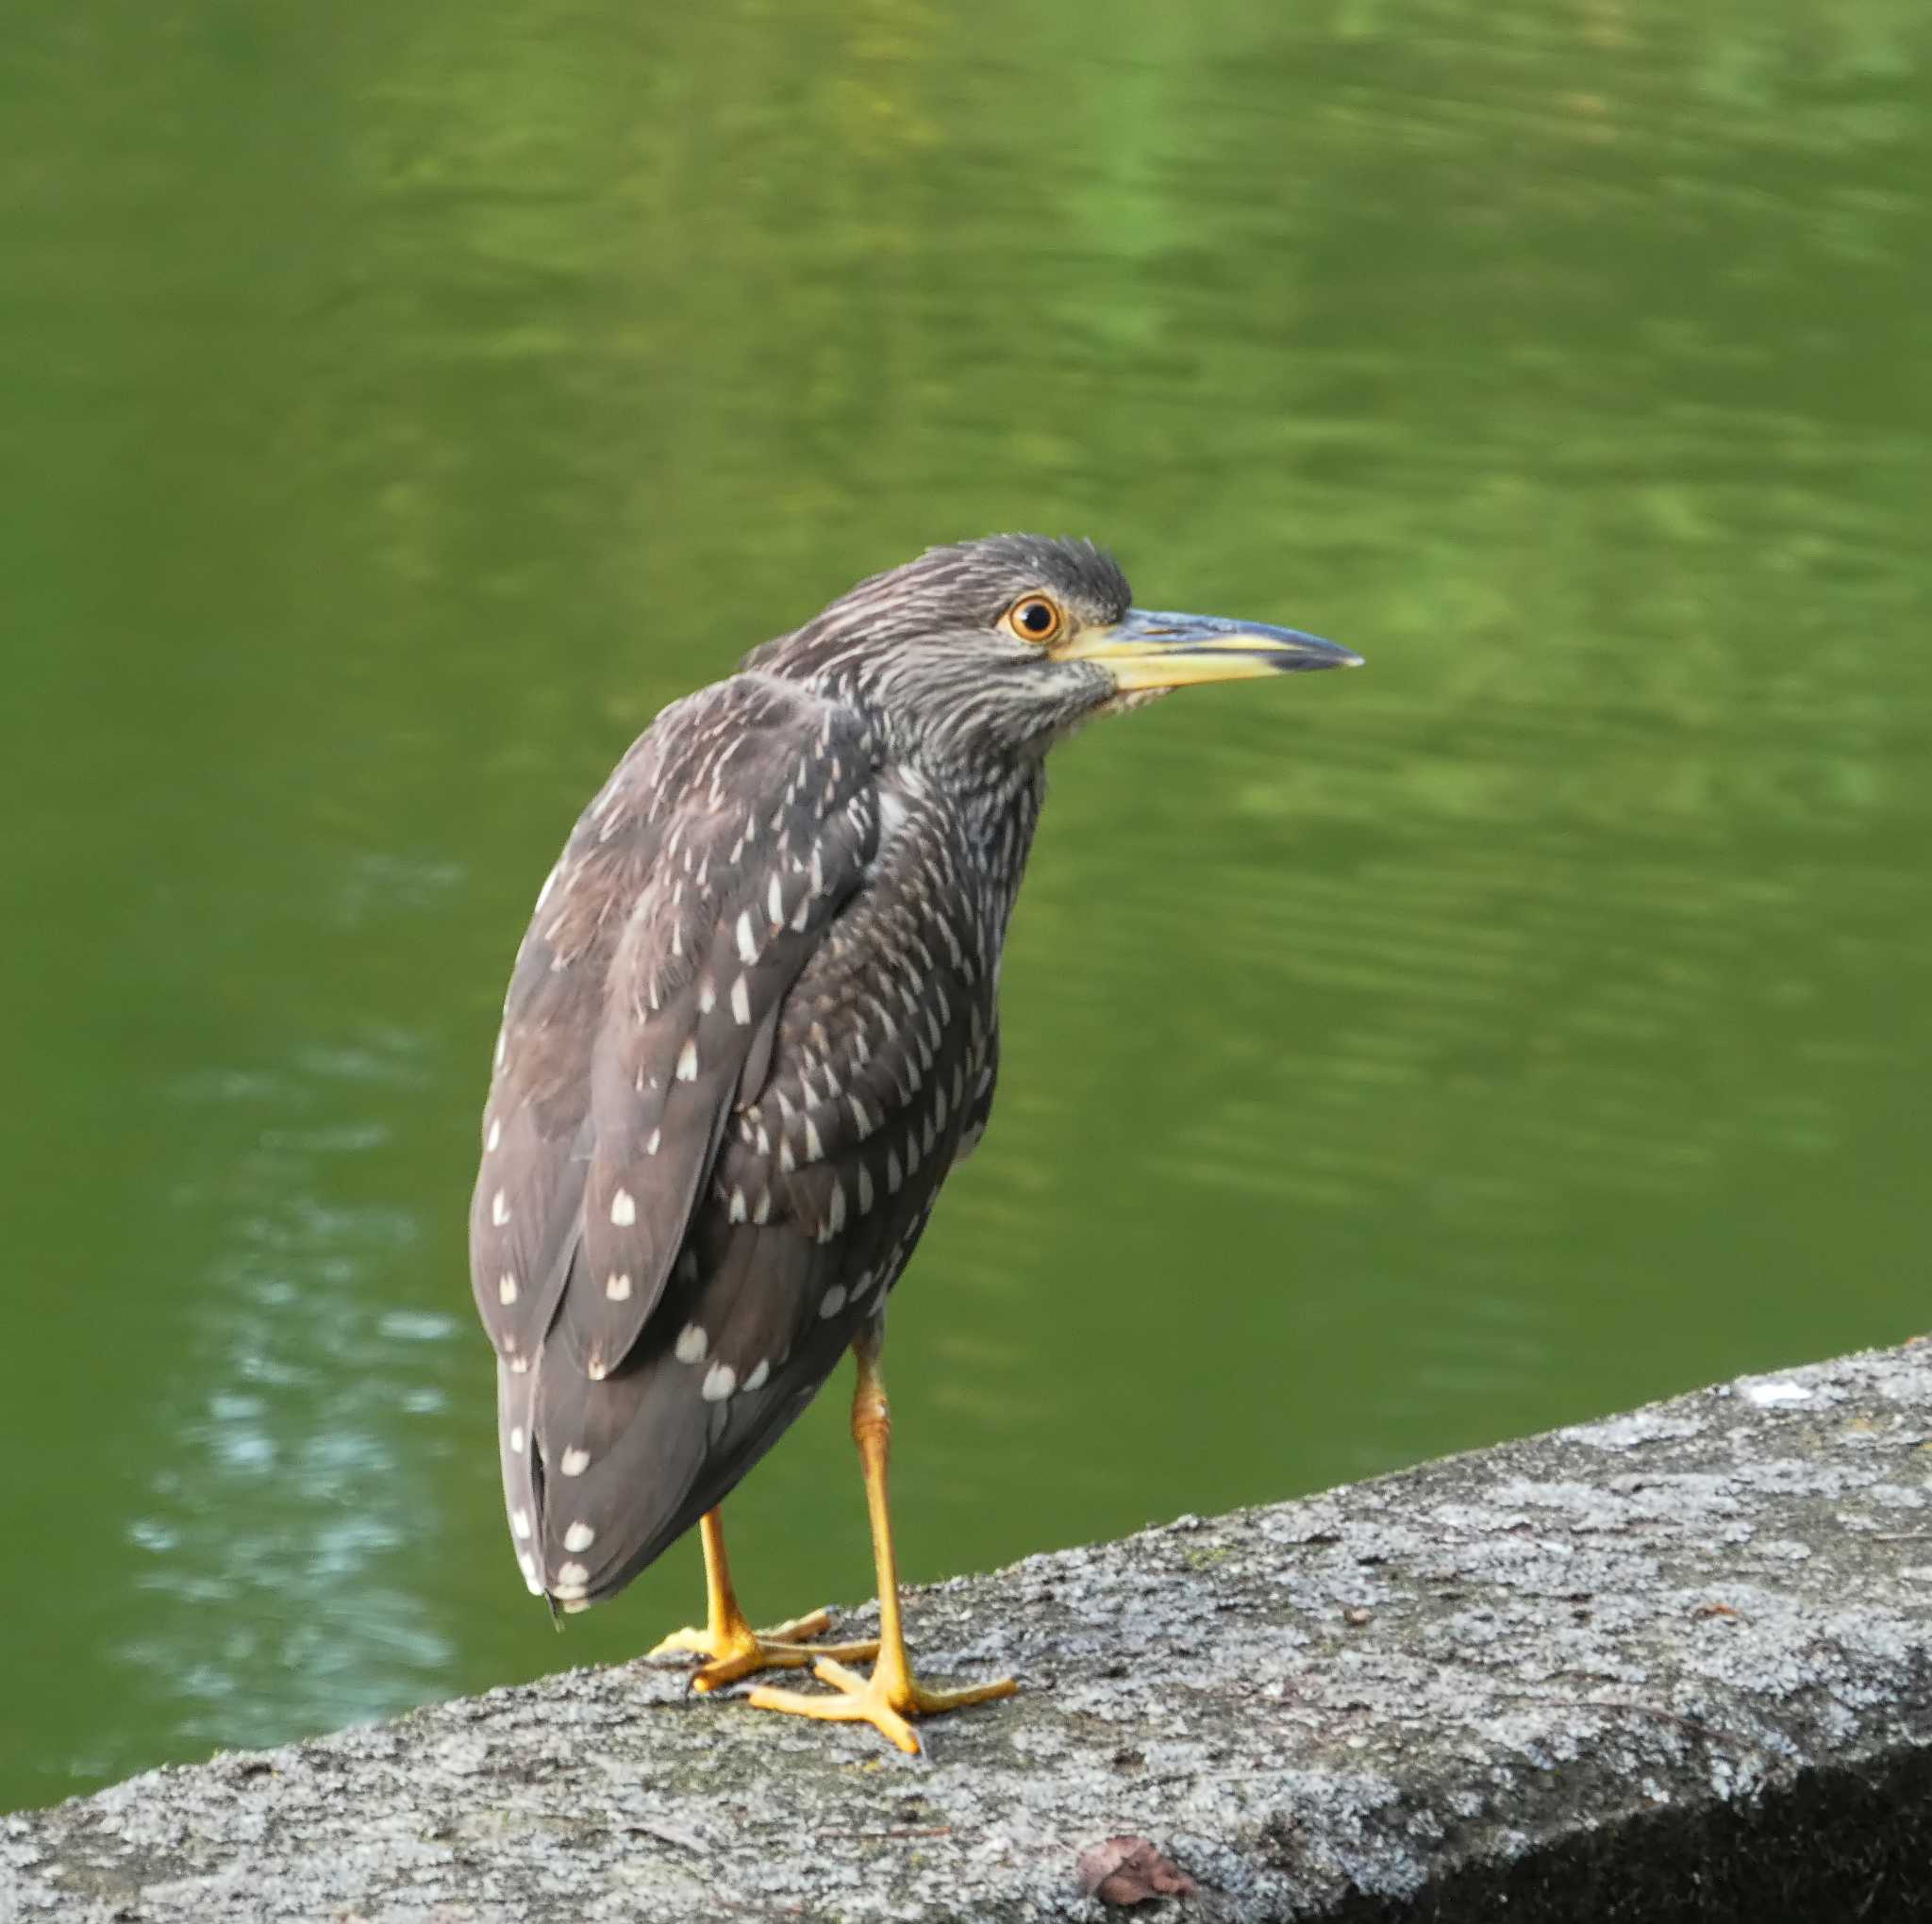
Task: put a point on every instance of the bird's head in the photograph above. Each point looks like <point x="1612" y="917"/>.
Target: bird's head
<point x="1007" y="644"/>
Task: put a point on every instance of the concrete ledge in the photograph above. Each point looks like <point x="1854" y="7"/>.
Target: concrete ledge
<point x="1673" y="1664"/>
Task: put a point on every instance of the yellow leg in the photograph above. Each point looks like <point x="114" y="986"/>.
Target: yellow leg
<point x="891" y="1695"/>
<point x="734" y="1649"/>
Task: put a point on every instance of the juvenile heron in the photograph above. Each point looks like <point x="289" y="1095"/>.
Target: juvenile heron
<point x="753" y="1024"/>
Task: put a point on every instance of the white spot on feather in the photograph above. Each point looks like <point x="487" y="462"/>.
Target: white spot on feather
<point x="579" y="1536"/>
<point x="499" y="1209"/>
<point x="623" y="1209"/>
<point x="516" y="1440"/>
<point x="574" y="1462"/>
<point x="747" y="942"/>
<point x="708" y="996"/>
<point x="692" y="1344"/>
<point x="519" y="1522"/>
<point x="617" y="1289"/>
<point x="832" y="1301"/>
<point x="507" y="1289"/>
<point x="756" y="1379"/>
<point x="720" y="1381"/>
<point x="494" y="1136"/>
<point x="687" y="1060"/>
<point x="814" y="1149"/>
<point x="741" y="1001"/>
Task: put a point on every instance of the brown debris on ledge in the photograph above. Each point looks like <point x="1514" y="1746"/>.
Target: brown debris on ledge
<point x="1670" y="1665"/>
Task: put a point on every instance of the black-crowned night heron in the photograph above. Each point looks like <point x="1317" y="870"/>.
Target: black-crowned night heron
<point x="753" y="1024"/>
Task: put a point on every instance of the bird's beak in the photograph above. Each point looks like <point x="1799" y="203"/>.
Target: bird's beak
<point x="1145" y="649"/>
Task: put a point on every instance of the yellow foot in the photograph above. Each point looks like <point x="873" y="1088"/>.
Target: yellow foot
<point x="737" y="1652"/>
<point x="886" y="1705"/>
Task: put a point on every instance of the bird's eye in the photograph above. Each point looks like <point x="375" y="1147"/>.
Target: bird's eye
<point x="1034" y="617"/>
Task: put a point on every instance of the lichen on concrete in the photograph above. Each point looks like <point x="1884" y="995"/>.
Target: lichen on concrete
<point x="1667" y="1664"/>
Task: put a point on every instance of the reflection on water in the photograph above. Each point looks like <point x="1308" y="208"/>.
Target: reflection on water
<point x="303" y="1419"/>
<point x="1393" y="1062"/>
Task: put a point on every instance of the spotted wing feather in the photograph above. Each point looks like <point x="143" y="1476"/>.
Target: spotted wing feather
<point x="646" y="988"/>
<point x="626" y="1042"/>
<point x="820" y="1187"/>
<point x="695" y="989"/>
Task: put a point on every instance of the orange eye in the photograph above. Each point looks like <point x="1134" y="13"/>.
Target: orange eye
<point x="1034" y="617"/>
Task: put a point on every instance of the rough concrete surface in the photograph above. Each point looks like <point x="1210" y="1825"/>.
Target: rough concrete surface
<point x="1672" y="1665"/>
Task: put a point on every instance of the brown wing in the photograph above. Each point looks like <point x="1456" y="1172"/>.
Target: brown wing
<point x="819" y="1189"/>
<point x="644" y="1001"/>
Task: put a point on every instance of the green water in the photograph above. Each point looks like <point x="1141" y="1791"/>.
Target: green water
<point x="398" y="405"/>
